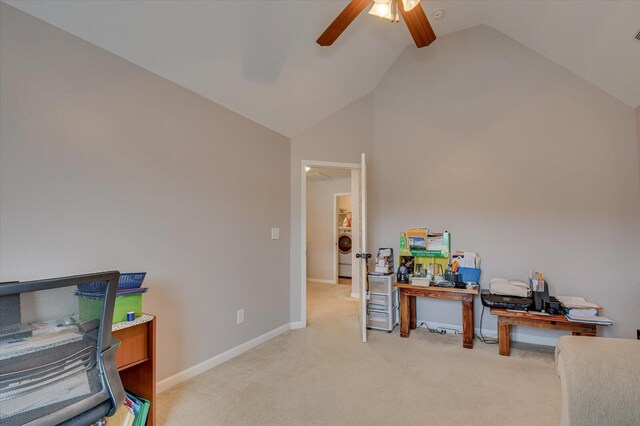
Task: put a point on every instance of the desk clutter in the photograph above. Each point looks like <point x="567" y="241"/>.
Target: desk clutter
<point x="428" y="268"/>
<point x="534" y="298"/>
<point x="426" y="259"/>
<point x="54" y="355"/>
<point x="133" y="360"/>
<point x="128" y="304"/>
<point x="577" y="309"/>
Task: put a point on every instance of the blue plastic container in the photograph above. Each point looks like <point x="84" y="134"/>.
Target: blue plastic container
<point x="101" y="294"/>
<point x="470" y="275"/>
<point x="127" y="280"/>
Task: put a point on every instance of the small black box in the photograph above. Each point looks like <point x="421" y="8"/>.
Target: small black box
<point x="552" y="306"/>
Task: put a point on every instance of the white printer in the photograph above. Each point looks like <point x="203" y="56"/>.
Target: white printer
<point x="504" y="287"/>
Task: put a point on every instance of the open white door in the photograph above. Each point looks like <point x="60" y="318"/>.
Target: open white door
<point x="363" y="256"/>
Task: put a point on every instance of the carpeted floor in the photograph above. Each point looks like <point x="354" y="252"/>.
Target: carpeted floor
<point x="323" y="375"/>
<point x="345" y="281"/>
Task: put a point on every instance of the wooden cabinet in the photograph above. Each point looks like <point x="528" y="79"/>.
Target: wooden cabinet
<point x="136" y="362"/>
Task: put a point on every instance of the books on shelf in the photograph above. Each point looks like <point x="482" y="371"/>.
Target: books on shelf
<point x="582" y="311"/>
<point x="133" y="412"/>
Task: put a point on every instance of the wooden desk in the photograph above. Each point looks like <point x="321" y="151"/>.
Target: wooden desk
<point x="408" y="294"/>
<point x="136" y="361"/>
<point x="554" y="322"/>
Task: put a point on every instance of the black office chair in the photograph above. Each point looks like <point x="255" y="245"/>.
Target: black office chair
<point x="57" y="356"/>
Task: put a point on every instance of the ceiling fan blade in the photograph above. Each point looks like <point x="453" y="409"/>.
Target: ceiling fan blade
<point x="418" y="25"/>
<point x="341" y="23"/>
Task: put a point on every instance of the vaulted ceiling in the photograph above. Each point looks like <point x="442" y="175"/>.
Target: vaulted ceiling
<point x="259" y="58"/>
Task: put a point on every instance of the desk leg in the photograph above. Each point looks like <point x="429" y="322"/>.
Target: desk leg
<point x="504" y="339"/>
<point x="467" y="324"/>
<point x="412" y="313"/>
<point x="404" y="314"/>
<point x="590" y="333"/>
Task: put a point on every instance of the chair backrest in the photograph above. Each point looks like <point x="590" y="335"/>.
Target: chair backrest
<point x="57" y="357"/>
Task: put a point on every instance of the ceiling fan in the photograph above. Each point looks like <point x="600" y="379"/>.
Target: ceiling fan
<point x="411" y="12"/>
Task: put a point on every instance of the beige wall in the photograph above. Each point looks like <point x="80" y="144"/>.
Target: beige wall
<point x="638" y="130"/>
<point x="344" y="202"/>
<point x="321" y="243"/>
<point x="341" y="137"/>
<point x="521" y="160"/>
<point x="105" y="165"/>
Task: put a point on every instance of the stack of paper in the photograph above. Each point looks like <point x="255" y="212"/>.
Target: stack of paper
<point x="123" y="417"/>
<point x="579" y="310"/>
<point x="591" y="319"/>
<point x="466" y="259"/>
<point x="571" y="302"/>
<point x="382" y="266"/>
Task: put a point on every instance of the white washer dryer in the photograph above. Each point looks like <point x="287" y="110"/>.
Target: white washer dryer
<point x="344" y="254"/>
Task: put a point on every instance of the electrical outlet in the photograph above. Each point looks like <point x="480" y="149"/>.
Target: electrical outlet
<point x="240" y="316"/>
<point x="275" y="233"/>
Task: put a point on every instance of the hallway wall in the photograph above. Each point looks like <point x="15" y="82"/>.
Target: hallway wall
<point x="321" y="246"/>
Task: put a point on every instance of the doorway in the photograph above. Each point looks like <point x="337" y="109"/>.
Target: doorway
<point x="322" y="227"/>
<point x="329" y="231"/>
<point x="343" y="215"/>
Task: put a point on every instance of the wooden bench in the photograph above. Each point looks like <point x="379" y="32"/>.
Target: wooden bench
<point x="554" y="322"/>
<point x="408" y="294"/>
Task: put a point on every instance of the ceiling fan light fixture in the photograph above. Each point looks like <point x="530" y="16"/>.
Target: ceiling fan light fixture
<point x="409" y="4"/>
<point x="382" y="9"/>
<point x="412" y="12"/>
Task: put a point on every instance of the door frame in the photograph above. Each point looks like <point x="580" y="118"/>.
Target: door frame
<point x="303" y="225"/>
<point x="336" y="257"/>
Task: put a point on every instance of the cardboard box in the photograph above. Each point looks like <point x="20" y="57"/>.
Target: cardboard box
<point x="436" y="244"/>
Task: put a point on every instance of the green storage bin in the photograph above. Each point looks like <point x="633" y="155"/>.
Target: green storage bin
<point x="91" y="308"/>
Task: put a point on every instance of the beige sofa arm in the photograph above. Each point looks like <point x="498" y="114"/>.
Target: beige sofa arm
<point x="599" y="381"/>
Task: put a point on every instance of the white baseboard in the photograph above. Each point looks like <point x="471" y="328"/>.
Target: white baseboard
<point x="355" y="295"/>
<point x="321" y="281"/>
<point x="190" y="372"/>
<point x="298" y="324"/>
<point x="515" y="336"/>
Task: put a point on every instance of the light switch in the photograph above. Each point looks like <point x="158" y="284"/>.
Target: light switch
<point x="275" y="233"/>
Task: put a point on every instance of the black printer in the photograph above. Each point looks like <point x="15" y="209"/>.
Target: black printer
<point x="505" y="302"/>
